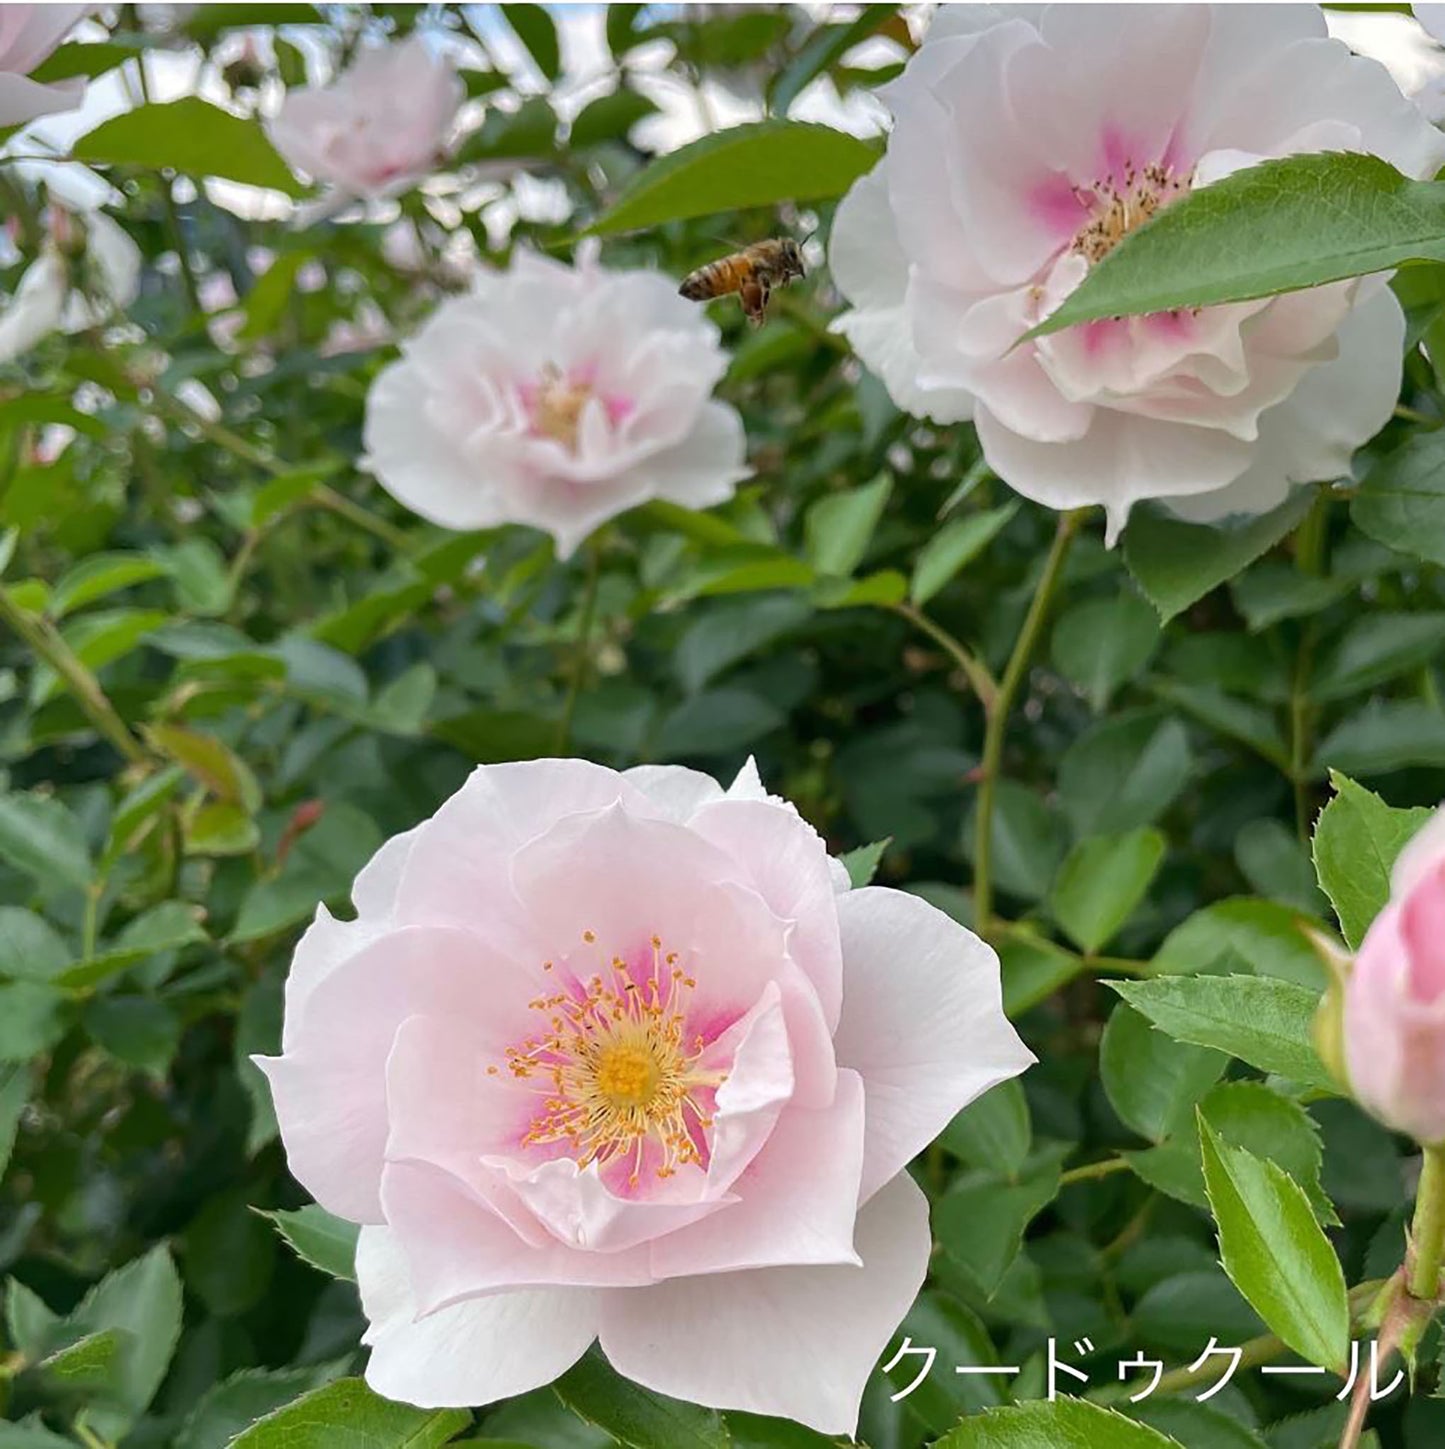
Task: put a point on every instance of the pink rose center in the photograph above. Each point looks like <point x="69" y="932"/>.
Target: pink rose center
<point x="556" y="402"/>
<point x="1117" y="208"/>
<point x="617" y="1072"/>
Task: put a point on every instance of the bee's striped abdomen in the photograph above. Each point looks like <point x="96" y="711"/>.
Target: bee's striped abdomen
<point x="716" y="279"/>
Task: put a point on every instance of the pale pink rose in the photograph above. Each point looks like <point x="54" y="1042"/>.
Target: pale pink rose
<point x="28" y="35"/>
<point x="379" y="127"/>
<point x="555" y="396"/>
<point x="1026" y="142"/>
<point x="621" y="1057"/>
<point x="1395" y="997"/>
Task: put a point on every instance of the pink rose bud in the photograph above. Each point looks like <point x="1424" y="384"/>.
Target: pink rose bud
<point x="1395" y="1001"/>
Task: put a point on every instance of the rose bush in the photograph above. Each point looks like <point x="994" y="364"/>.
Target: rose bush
<point x="609" y="1104"/>
<point x="621" y="1056"/>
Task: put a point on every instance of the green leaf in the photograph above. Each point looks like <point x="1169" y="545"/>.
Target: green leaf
<point x="89" y="1363"/>
<point x="320" y="867"/>
<point x="1357" y="838"/>
<point x="233" y="1405"/>
<point x="14" y="1093"/>
<point x="1276" y="1253"/>
<point x="1101" y="883"/>
<point x="1065" y="1424"/>
<point x="862" y="863"/>
<point x="995" y="1132"/>
<point x="30" y="948"/>
<point x="348" y="1415"/>
<point x="211" y="762"/>
<point x="760" y="164"/>
<point x="31" y="1433"/>
<point x="1195" y="1425"/>
<point x="100" y="574"/>
<point x="1153" y="1082"/>
<point x="1374" y="649"/>
<point x="1264" y="936"/>
<point x="981" y="1220"/>
<point x="636" y="1416"/>
<point x="87" y="59"/>
<point x="609" y="118"/>
<point x="1100" y="645"/>
<point x="1401" y="501"/>
<point x="143" y="1300"/>
<point x="954" y="547"/>
<point x="1123" y="773"/>
<point x="1248" y="1115"/>
<point x="1177" y="563"/>
<point x="1264" y="1022"/>
<point x="1275" y="227"/>
<point x="1386" y="735"/>
<point x="40" y="836"/>
<point x="824" y="49"/>
<point x="136" y="1030"/>
<point x="191" y="136"/>
<point x="33" y="1018"/>
<point x="838" y="527"/>
<point x="536" y="30"/>
<point x="318" y="1237"/>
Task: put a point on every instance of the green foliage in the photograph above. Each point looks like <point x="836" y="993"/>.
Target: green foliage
<point x="1276" y="1253"/>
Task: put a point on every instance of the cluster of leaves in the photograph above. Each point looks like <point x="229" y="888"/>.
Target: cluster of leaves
<point x="234" y="668"/>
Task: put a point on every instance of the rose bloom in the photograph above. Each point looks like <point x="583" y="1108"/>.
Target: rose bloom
<point x="1394" y="1022"/>
<point x="377" y="128"/>
<point x="1026" y="144"/>
<point x="621" y="1056"/>
<point x="28" y="35"/>
<point x="556" y="396"/>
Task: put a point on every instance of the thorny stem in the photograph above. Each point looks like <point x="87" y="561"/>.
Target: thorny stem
<point x="1310" y="543"/>
<point x="997" y="716"/>
<point x="47" y="644"/>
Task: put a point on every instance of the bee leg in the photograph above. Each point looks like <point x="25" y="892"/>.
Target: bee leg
<point x="754" y="297"/>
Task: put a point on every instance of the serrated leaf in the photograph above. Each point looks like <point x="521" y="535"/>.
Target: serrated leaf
<point x="1294" y="222"/>
<point x="862" y="863"/>
<point x="1356" y="840"/>
<point x="760" y="164"/>
<point x="1177" y="563"/>
<point x="1258" y="1019"/>
<point x="1065" y="1424"/>
<point x="348" y="1415"/>
<point x="1276" y="1253"/>
<point x="39" y="835"/>
<point x="318" y="1237"/>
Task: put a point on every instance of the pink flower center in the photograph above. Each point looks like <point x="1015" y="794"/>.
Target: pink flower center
<point x="616" y="1071"/>
<point x="1115" y="209"/>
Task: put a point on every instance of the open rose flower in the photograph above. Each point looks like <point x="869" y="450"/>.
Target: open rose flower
<point x="1394" y="1024"/>
<point x="620" y="1057"/>
<point x="556" y="396"/>
<point x="28" y="35"/>
<point x="379" y="127"/>
<point x="1027" y="143"/>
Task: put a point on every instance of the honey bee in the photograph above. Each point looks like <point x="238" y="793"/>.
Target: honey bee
<point x="752" y="273"/>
